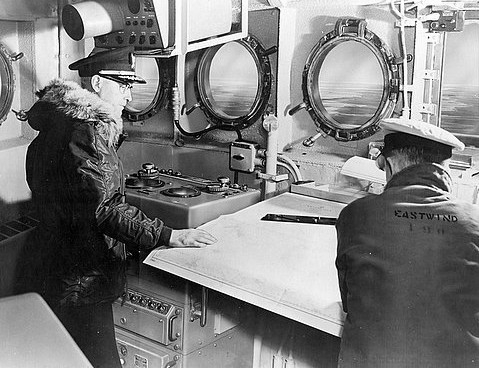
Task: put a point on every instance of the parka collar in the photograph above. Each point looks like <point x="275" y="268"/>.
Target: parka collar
<point x="430" y="174"/>
<point x="75" y="102"/>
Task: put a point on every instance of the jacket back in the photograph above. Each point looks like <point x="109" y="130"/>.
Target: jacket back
<point x="408" y="264"/>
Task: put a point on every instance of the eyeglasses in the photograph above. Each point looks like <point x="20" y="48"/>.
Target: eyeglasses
<point x="380" y="159"/>
<point x="380" y="162"/>
<point x="124" y="88"/>
<point x="376" y="154"/>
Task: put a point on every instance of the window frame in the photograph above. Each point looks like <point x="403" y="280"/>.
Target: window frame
<point x="7" y="77"/>
<point x="260" y="57"/>
<point x="350" y="30"/>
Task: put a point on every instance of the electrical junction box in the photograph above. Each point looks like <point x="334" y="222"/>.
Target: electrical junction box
<point x="242" y="156"/>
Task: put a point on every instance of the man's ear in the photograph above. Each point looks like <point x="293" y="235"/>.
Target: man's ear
<point x="96" y="83"/>
<point x="381" y="162"/>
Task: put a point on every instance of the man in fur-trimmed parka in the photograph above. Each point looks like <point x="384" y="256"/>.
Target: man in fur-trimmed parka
<point x="408" y="260"/>
<point x="76" y="179"/>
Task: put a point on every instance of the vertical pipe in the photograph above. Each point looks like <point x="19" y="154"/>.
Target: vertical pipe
<point x="270" y="124"/>
<point x="259" y="332"/>
<point x="406" y="110"/>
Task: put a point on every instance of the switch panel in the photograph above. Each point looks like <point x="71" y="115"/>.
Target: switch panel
<point x="136" y="351"/>
<point x="242" y="156"/>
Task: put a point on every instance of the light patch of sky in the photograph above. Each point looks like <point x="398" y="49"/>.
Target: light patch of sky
<point x="351" y="63"/>
<point x="147" y="69"/>
<point x="234" y="63"/>
<point x="461" y="66"/>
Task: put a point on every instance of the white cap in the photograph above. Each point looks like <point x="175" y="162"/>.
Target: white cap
<point x="421" y="129"/>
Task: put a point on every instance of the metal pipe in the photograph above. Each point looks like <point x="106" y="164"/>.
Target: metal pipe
<point x="291" y="171"/>
<point x="270" y="124"/>
<point x="292" y="165"/>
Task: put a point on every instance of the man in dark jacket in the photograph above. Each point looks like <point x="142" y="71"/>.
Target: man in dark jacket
<point x="77" y="184"/>
<point x="408" y="260"/>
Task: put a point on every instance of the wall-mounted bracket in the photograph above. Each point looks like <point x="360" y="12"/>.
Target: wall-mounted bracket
<point x="432" y="74"/>
<point x="429" y="108"/>
<point x="273" y="178"/>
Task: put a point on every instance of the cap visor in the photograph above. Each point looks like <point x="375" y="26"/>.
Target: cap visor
<point x="124" y="79"/>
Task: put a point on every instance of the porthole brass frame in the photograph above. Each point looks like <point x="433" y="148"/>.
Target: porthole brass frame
<point x="349" y="30"/>
<point x="8" y="83"/>
<point x="202" y="86"/>
<point x="162" y="96"/>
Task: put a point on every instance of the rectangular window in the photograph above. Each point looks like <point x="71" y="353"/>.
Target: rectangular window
<point x="460" y="87"/>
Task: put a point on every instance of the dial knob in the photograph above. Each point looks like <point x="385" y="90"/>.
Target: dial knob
<point x="224" y="180"/>
<point x="148" y="170"/>
<point x="216" y="187"/>
<point x="152" y="304"/>
<point x="148" y="166"/>
<point x="123" y="350"/>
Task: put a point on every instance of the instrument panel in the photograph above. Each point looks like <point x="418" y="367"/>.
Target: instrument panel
<point x="142" y="27"/>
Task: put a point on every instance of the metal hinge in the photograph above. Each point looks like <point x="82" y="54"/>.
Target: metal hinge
<point x="431" y="74"/>
<point x="428" y="108"/>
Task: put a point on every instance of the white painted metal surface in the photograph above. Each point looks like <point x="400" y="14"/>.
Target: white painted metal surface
<point x="32" y="336"/>
<point x="286" y="268"/>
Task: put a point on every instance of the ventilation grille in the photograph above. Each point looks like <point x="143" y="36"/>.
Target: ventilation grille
<point x="13" y="240"/>
<point x="15" y="227"/>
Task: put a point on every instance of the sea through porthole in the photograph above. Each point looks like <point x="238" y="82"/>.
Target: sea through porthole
<point x="151" y="97"/>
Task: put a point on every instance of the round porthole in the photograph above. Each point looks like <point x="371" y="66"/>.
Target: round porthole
<point x="7" y="80"/>
<point x="149" y="98"/>
<point x="350" y="82"/>
<point x="233" y="83"/>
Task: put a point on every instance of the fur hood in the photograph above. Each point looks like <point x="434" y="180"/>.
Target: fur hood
<point x="67" y="98"/>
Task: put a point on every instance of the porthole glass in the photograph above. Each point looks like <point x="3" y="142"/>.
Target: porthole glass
<point x="149" y="98"/>
<point x="233" y="83"/>
<point x="350" y="88"/>
<point x="350" y="81"/>
<point x="143" y="95"/>
<point x="7" y="80"/>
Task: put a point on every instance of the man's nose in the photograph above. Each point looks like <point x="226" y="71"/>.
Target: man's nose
<point x="128" y="97"/>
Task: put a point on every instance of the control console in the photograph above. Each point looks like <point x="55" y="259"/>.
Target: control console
<point x="141" y="29"/>
<point x="151" y="317"/>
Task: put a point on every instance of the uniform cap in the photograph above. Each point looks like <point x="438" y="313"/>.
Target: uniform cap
<point x="115" y="64"/>
<point x="418" y="128"/>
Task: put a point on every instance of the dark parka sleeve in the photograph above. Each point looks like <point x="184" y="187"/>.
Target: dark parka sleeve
<point x="97" y="189"/>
